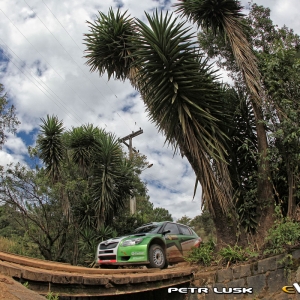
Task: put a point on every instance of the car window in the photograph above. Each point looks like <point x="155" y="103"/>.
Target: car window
<point x="184" y="230"/>
<point x="153" y="228"/>
<point x="172" y="227"/>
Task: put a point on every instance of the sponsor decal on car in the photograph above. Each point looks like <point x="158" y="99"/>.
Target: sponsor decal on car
<point x="171" y="237"/>
<point x="138" y="253"/>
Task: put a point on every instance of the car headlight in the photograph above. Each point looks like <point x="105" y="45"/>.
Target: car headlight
<point x="132" y="242"/>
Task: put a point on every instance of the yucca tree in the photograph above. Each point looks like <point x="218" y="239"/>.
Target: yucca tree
<point x="98" y="157"/>
<point x="51" y="146"/>
<point x="108" y="45"/>
<point x="224" y="17"/>
<point x="53" y="152"/>
<point x="242" y="154"/>
<point x="180" y="92"/>
<point x="112" y="176"/>
<point x="81" y="143"/>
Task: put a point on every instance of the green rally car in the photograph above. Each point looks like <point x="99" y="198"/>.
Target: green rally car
<point x="154" y="244"/>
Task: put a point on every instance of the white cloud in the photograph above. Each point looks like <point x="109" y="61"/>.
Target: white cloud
<point x="69" y="90"/>
<point x="15" y="145"/>
<point x="6" y="159"/>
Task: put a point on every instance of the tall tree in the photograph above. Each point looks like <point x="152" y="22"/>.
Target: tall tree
<point x="179" y="90"/>
<point x="224" y="17"/>
<point x="99" y="159"/>
<point x="51" y="146"/>
<point x="36" y="208"/>
<point x="278" y="61"/>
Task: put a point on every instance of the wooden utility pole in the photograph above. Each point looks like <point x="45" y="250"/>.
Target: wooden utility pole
<point x="123" y="140"/>
<point x="130" y="137"/>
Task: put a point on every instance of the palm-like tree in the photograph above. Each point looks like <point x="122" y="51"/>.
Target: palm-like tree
<point x="107" y="54"/>
<point x="53" y="152"/>
<point x="224" y="17"/>
<point x="179" y="90"/>
<point x="51" y="146"/>
<point x="242" y="152"/>
<point x="81" y="143"/>
<point x="99" y="158"/>
<point x="112" y="178"/>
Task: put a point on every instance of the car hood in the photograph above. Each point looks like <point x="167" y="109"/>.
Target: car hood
<point x="130" y="236"/>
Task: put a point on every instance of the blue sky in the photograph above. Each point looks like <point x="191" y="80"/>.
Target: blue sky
<point x="46" y="74"/>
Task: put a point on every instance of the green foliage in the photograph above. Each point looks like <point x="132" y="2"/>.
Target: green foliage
<point x="177" y="85"/>
<point x="26" y="284"/>
<point x="36" y="208"/>
<point x="89" y="160"/>
<point x="51" y="146"/>
<point x="65" y="219"/>
<point x="51" y="296"/>
<point x="110" y="38"/>
<point x="8" y="118"/>
<point x="125" y="223"/>
<point x="206" y="14"/>
<point x="89" y="239"/>
<point x="8" y="227"/>
<point x="276" y="51"/>
<point x="21" y="245"/>
<point x="160" y="214"/>
<point x="184" y="220"/>
<point x="202" y="255"/>
<point x="205" y="254"/>
<point x="284" y="232"/>
<point x="204" y="226"/>
<point x="242" y="155"/>
<point x="233" y="254"/>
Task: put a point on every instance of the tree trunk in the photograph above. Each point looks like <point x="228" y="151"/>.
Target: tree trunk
<point x="292" y="198"/>
<point x="101" y="217"/>
<point x="226" y="228"/>
<point x="45" y="252"/>
<point x="265" y="197"/>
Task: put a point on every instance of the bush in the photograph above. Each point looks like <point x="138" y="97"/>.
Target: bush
<point x="233" y="254"/>
<point x="19" y="245"/>
<point x="51" y="296"/>
<point x="202" y="255"/>
<point x="284" y="232"/>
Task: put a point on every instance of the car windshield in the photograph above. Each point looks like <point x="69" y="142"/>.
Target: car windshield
<point x="153" y="228"/>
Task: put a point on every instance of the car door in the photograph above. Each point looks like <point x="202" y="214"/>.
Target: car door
<point x="187" y="239"/>
<point x="172" y="242"/>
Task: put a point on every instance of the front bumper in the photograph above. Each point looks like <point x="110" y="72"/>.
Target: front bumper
<point x="115" y="254"/>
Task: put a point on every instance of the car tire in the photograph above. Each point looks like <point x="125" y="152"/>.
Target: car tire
<point x="166" y="264"/>
<point x="157" y="257"/>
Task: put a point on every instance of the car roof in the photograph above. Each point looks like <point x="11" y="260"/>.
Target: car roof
<point x="151" y="223"/>
<point x="162" y="222"/>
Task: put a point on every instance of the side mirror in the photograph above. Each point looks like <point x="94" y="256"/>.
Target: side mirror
<point x="166" y="231"/>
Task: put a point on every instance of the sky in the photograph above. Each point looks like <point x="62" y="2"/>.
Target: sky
<point x="43" y="70"/>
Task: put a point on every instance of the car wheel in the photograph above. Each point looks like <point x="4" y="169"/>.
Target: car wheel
<point x="157" y="257"/>
<point x="166" y="264"/>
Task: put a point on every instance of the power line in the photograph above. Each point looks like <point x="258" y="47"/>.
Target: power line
<point x="66" y="51"/>
<point x="83" y="51"/>
<point x="74" y="41"/>
<point x="75" y="114"/>
<point x="62" y="26"/>
<point x="39" y="87"/>
<point x="44" y="58"/>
